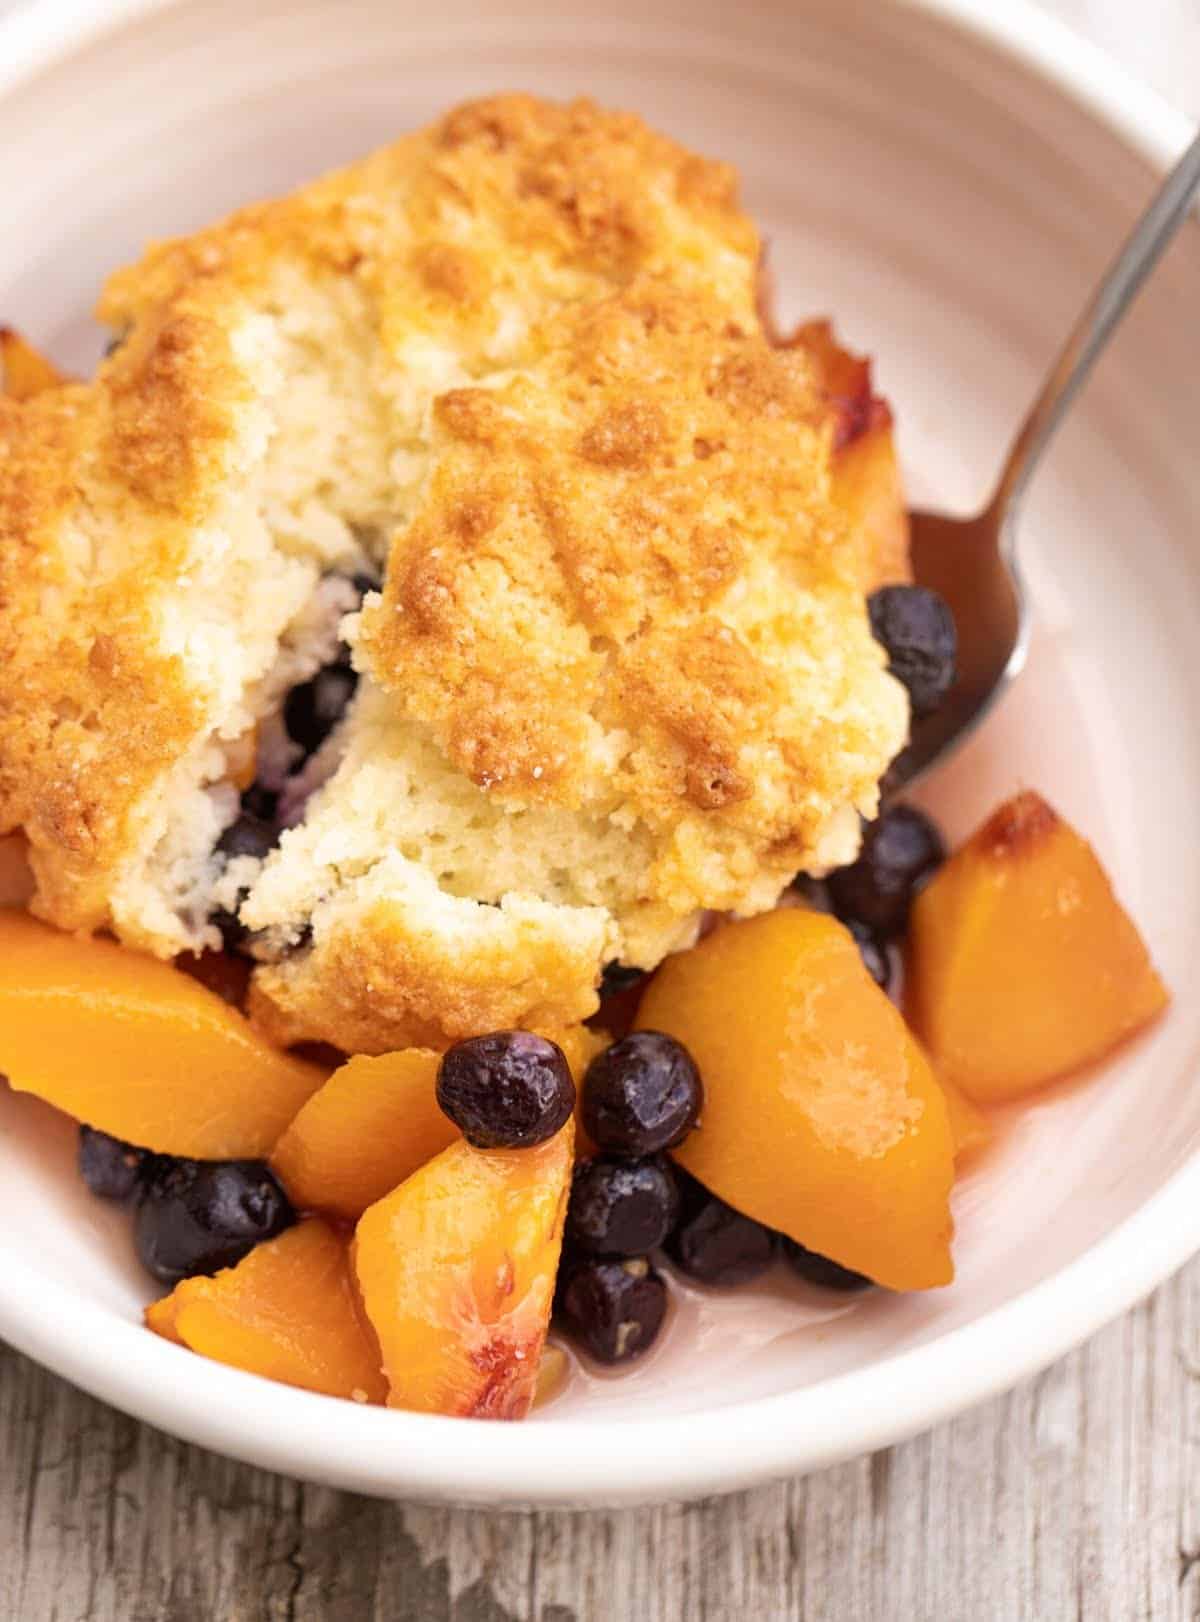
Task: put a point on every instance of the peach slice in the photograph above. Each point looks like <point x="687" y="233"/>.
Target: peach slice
<point x="580" y="1046"/>
<point x="868" y="492"/>
<point x="1023" y="965"/>
<point x="821" y="1116"/>
<point x="969" y="1126"/>
<point x="375" y="1122"/>
<point x="456" y="1269"/>
<point x="288" y="1311"/>
<point x="24" y="370"/>
<point x="866" y="484"/>
<point x="160" y="1316"/>
<point x="137" y="1048"/>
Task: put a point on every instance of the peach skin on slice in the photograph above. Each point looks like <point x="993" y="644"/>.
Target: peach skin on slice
<point x="288" y="1311"/>
<point x="821" y="1117"/>
<point x="24" y="370"/>
<point x="375" y="1122"/>
<point x="456" y="1269"/>
<point x="1022" y="964"/>
<point x="139" y="1049"/>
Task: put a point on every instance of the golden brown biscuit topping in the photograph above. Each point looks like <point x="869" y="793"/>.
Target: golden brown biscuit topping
<point x="619" y="671"/>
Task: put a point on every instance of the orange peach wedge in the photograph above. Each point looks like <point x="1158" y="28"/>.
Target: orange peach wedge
<point x="969" y="1126"/>
<point x="1023" y="965"/>
<point x="288" y="1311"/>
<point x="865" y="474"/>
<point x="24" y="370"/>
<point x="374" y="1123"/>
<point x="139" y="1049"/>
<point x="821" y="1116"/>
<point x="456" y="1268"/>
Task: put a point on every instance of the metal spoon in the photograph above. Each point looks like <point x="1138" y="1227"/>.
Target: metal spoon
<point x="972" y="562"/>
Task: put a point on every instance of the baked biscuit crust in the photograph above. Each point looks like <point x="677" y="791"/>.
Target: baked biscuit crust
<point x="619" y="670"/>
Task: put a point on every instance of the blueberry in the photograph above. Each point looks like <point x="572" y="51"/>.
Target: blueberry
<point x="249" y="835"/>
<point x="917" y="629"/>
<point x="197" y="1216"/>
<point x="111" y="1169"/>
<point x="898" y="851"/>
<point x="232" y="930"/>
<point x="226" y="973"/>
<point x="260" y="801"/>
<point x="618" y="977"/>
<point x="874" y="952"/>
<point x="508" y="1090"/>
<point x="715" y="1243"/>
<point x="641" y="1095"/>
<point x="815" y="1269"/>
<point x="312" y="710"/>
<point x="621" y="1207"/>
<point x="614" y="1309"/>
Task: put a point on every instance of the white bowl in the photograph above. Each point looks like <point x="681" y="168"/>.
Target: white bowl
<point x="948" y="187"/>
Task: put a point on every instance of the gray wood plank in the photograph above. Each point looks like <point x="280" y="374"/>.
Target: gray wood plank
<point x="1076" y="1496"/>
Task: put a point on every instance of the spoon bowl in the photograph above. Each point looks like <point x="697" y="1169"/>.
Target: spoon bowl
<point x="972" y="562"/>
<point x="975" y="571"/>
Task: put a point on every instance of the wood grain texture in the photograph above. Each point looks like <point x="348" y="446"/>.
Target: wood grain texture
<point x="1075" y="1497"/>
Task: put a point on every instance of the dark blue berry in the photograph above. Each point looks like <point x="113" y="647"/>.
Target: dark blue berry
<point x="641" y="1095"/>
<point x="898" y="852"/>
<point x="110" y="1168"/>
<point x="197" y="1216"/>
<point x="614" y="1309"/>
<point x="249" y="835"/>
<point x="917" y="629"/>
<point x="312" y="710"/>
<point x="716" y="1244"/>
<point x="261" y="802"/>
<point x="617" y="977"/>
<point x="621" y="1207"/>
<point x="874" y="952"/>
<point x="232" y="931"/>
<point x="508" y="1090"/>
<point x="816" y="1269"/>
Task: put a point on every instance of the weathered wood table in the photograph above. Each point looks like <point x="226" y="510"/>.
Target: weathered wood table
<point x="1077" y="1496"/>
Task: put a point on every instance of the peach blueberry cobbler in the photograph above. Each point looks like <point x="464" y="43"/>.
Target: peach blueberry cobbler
<point x="449" y="601"/>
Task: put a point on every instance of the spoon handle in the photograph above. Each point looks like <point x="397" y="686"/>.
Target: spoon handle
<point x="1100" y="318"/>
